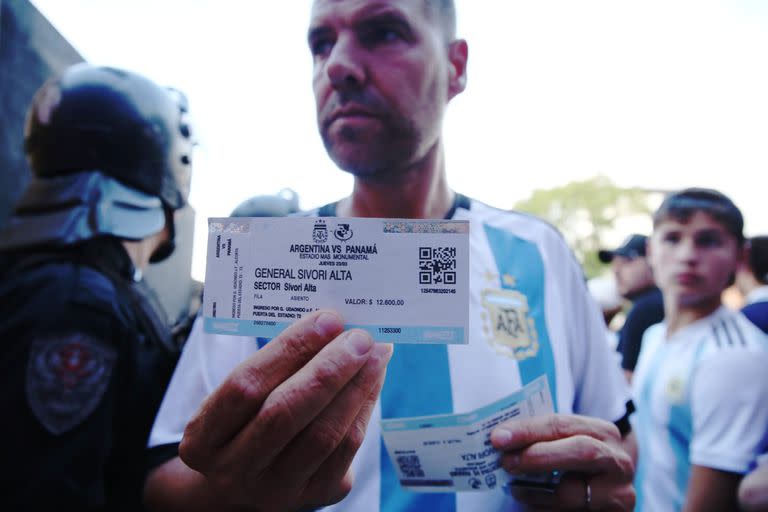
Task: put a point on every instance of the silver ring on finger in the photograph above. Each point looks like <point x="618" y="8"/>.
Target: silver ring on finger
<point x="587" y="494"/>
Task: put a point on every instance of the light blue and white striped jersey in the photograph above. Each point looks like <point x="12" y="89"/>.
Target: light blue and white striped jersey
<point x="530" y="315"/>
<point x="702" y="399"/>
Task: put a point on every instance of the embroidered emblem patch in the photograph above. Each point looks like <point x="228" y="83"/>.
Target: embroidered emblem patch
<point x="66" y="379"/>
<point x="507" y="324"/>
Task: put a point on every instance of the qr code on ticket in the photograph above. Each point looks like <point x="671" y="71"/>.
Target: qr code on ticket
<point x="437" y="265"/>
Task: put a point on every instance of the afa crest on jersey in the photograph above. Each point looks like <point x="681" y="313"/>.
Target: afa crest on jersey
<point x="508" y="325"/>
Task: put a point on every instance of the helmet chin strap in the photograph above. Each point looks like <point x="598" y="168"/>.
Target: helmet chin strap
<point x="166" y="247"/>
<point x="163" y="251"/>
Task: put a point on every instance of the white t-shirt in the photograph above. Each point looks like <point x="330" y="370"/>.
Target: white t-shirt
<point x="702" y="399"/>
<point x="556" y="329"/>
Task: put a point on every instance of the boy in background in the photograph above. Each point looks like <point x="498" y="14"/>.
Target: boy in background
<point x="699" y="384"/>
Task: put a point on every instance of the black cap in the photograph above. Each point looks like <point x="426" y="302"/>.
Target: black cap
<point x="632" y="247"/>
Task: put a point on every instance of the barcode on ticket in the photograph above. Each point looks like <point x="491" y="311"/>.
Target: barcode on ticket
<point x="410" y="466"/>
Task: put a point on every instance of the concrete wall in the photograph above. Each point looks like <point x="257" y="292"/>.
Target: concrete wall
<point x="31" y="50"/>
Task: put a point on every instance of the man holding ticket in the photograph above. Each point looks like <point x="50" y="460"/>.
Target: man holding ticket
<point x="308" y="419"/>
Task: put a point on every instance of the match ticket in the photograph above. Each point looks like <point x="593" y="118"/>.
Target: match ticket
<point x="403" y="281"/>
<point x="453" y="452"/>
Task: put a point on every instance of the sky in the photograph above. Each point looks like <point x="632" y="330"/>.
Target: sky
<point x="659" y="94"/>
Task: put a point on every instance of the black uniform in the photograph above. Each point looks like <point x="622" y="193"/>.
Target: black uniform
<point x="84" y="362"/>
<point x="647" y="310"/>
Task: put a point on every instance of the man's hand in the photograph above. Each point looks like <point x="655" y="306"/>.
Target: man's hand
<point x="753" y="491"/>
<point x="281" y="431"/>
<point x="598" y="470"/>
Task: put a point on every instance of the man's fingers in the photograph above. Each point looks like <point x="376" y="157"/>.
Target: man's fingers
<point x="224" y="413"/>
<point x="295" y="403"/>
<point x="336" y="465"/>
<point x="586" y="449"/>
<point x="604" y="493"/>
<point x="520" y="433"/>
<point x="580" y="453"/>
<point x="330" y="428"/>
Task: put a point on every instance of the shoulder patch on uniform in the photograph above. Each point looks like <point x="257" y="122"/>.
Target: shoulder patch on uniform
<point x="66" y="379"/>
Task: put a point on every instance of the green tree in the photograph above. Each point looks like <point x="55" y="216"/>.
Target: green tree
<point x="586" y="213"/>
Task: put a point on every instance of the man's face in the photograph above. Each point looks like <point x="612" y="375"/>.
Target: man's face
<point x="633" y="275"/>
<point x="383" y="73"/>
<point x="693" y="261"/>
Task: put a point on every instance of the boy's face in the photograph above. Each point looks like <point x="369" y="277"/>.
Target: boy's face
<point x="693" y="261"/>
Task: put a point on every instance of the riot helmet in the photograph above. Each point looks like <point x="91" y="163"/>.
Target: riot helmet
<point x="110" y="154"/>
<point x="116" y="122"/>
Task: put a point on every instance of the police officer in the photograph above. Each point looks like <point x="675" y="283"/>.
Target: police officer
<point x="84" y="357"/>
